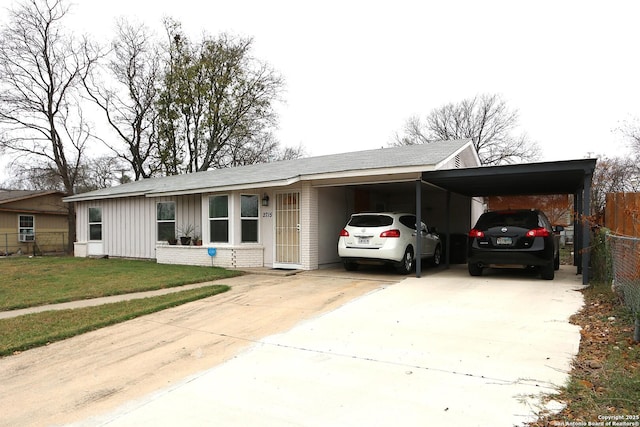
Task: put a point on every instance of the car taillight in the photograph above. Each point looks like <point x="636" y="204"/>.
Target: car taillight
<point x="344" y="233"/>
<point x="390" y="233"/>
<point x="538" y="232"/>
<point x="476" y="233"/>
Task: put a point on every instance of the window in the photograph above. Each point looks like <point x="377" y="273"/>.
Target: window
<point x="95" y="224"/>
<point x="219" y="219"/>
<point x="166" y="219"/>
<point x="249" y="218"/>
<point x="26" y="228"/>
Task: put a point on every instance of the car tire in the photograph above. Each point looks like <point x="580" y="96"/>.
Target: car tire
<point x="406" y="265"/>
<point x="547" y="272"/>
<point x="437" y="257"/>
<point x="350" y="265"/>
<point x="556" y="262"/>
<point x="475" y="270"/>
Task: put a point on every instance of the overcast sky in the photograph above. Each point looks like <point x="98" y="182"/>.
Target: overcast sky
<point x="356" y="70"/>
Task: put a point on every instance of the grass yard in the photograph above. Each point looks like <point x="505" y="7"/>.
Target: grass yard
<point x="38" y="329"/>
<point x="28" y="282"/>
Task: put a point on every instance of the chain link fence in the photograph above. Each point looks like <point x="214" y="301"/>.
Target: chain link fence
<point x="41" y="244"/>
<point x="625" y="273"/>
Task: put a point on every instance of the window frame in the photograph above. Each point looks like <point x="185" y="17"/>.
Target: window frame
<point x="94" y="223"/>
<point x="165" y="221"/>
<point x="26" y="237"/>
<point x="218" y="218"/>
<point x="252" y="219"/>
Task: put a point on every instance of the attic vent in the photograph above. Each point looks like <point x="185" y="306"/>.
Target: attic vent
<point x="458" y="162"/>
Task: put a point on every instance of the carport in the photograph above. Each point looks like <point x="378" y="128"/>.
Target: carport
<point x="561" y="177"/>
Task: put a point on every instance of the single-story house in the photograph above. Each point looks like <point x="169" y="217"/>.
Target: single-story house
<point x="32" y="220"/>
<point x="285" y="214"/>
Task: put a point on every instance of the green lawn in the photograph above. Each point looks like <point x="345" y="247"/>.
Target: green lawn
<point x="38" y="329"/>
<point x="27" y="282"/>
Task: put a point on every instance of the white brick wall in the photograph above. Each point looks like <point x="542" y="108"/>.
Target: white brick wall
<point x="309" y="227"/>
<point x="226" y="257"/>
<point x="80" y="249"/>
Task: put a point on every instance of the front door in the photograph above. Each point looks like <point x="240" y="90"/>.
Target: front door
<point x="287" y="230"/>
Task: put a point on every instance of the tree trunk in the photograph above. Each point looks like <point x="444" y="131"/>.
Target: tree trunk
<point x="71" y="219"/>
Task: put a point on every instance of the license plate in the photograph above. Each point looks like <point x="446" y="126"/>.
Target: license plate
<point x="504" y="241"/>
<point x="363" y="241"/>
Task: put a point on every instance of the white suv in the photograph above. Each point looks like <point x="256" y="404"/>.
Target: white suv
<point x="386" y="237"/>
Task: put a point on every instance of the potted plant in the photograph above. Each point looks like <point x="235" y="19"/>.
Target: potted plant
<point x="197" y="240"/>
<point x="186" y="233"/>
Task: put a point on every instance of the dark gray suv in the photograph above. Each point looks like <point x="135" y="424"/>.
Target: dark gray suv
<point x="512" y="239"/>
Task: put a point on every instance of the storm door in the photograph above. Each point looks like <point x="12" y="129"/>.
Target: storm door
<point x="287" y="230"/>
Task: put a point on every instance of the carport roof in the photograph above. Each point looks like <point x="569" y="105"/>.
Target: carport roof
<point x="560" y="177"/>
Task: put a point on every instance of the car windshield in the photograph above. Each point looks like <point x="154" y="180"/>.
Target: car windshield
<point x="524" y="219"/>
<point x="370" y="221"/>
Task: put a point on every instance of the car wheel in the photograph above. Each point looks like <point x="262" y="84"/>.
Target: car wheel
<point x="475" y="270"/>
<point x="405" y="266"/>
<point x="350" y="265"/>
<point x="556" y="262"/>
<point x="437" y="257"/>
<point x="547" y="272"/>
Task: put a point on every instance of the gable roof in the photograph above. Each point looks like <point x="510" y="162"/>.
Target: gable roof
<point x="414" y="158"/>
<point x="10" y="196"/>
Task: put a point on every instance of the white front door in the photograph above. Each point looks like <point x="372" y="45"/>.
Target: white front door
<point x="287" y="230"/>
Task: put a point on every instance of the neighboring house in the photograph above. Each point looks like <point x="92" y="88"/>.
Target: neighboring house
<point x="285" y="214"/>
<point x="32" y="221"/>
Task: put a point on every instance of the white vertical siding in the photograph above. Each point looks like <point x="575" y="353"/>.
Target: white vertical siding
<point x="129" y="224"/>
<point x="309" y="227"/>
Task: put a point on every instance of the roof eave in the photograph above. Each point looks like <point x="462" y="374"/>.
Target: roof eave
<point x="368" y="172"/>
<point x="81" y="198"/>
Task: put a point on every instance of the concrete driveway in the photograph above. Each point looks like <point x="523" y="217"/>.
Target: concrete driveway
<point x="446" y="349"/>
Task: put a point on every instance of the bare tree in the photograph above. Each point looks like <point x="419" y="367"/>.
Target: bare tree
<point x="612" y="175"/>
<point x="40" y="70"/>
<point x="130" y="107"/>
<point x="630" y="129"/>
<point x="485" y="119"/>
<point x="95" y="173"/>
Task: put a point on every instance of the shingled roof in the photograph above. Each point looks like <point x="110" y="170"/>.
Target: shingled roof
<point x="9" y="196"/>
<point x="414" y="158"/>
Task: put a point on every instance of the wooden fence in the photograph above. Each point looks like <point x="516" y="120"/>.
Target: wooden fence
<point x="622" y="213"/>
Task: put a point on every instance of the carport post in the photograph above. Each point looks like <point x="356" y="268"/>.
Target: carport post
<point x="577" y="231"/>
<point x="418" y="228"/>
<point x="586" y="229"/>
